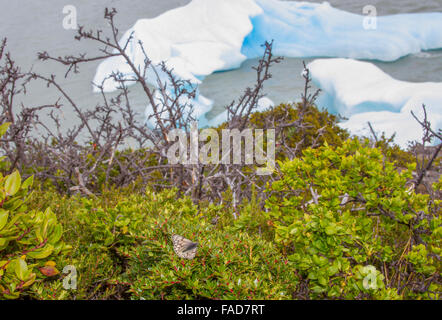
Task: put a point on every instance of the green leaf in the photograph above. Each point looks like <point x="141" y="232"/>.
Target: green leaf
<point x="4" y="127"/>
<point x="3" y="243"/>
<point x="12" y="184"/>
<point x="21" y="269"/>
<point x="41" y="253"/>
<point x="56" y="234"/>
<point x="332" y="270"/>
<point x="330" y="229"/>
<point x="322" y="281"/>
<point x="3" y="218"/>
<point x="28" y="182"/>
<point x="13" y="295"/>
<point x="30" y="281"/>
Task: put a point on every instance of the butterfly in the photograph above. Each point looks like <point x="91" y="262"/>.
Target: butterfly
<point x="214" y="221"/>
<point x="184" y="248"/>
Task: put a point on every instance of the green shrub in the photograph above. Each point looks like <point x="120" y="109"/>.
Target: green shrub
<point x="314" y="120"/>
<point x="130" y="236"/>
<point x="228" y="265"/>
<point x="393" y="152"/>
<point x="95" y="263"/>
<point x="348" y="224"/>
<point x="122" y="246"/>
<point x="29" y="239"/>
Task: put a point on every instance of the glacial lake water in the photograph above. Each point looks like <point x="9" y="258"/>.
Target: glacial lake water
<point x="35" y="26"/>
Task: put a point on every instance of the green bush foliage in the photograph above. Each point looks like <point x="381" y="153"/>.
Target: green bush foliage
<point x="351" y="228"/>
<point x="313" y="120"/>
<point x="131" y="234"/>
<point x="339" y="223"/>
<point x="29" y="239"/>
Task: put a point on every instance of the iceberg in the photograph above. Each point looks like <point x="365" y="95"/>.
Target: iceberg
<point x="207" y="36"/>
<point x="362" y="92"/>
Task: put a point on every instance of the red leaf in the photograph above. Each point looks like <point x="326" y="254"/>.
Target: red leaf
<point x="49" y="271"/>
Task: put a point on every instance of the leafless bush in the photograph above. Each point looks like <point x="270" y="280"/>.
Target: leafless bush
<point x="426" y="156"/>
<point x="60" y="155"/>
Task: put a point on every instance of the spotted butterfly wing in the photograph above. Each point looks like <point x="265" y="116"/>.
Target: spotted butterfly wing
<point x="184" y="248"/>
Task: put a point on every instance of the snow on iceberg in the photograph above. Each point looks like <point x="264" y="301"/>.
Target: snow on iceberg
<point x="206" y="36"/>
<point x="362" y="92"/>
<point x="195" y="40"/>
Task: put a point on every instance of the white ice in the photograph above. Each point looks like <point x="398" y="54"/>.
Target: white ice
<point x="362" y="92"/>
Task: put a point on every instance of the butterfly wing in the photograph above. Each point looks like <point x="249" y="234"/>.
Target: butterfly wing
<point x="184" y="248"/>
